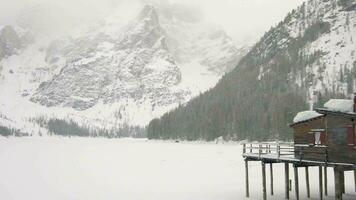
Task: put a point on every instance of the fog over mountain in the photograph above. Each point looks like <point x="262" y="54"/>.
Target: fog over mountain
<point x="244" y="20"/>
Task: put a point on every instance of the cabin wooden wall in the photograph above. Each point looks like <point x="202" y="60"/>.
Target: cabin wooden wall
<point x="302" y="136"/>
<point x="337" y="136"/>
<point x="301" y="131"/>
<point x="336" y="128"/>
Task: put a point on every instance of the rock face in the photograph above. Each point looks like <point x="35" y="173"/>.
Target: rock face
<point x="136" y="65"/>
<point x="112" y="74"/>
<point x="10" y="40"/>
<point x="207" y="44"/>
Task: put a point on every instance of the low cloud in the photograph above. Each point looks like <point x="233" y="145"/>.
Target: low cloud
<point x="242" y="19"/>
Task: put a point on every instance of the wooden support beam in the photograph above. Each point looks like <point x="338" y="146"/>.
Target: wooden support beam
<point x="264" y="181"/>
<point x="326" y="180"/>
<point x="307" y="181"/>
<point x="320" y="182"/>
<point x="342" y="181"/>
<point x="286" y="171"/>
<point x="355" y="179"/>
<point x="338" y="190"/>
<point x="296" y="182"/>
<point x="246" y="178"/>
<point x="271" y="173"/>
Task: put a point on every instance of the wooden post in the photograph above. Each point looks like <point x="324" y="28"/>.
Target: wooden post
<point x="278" y="151"/>
<point x="286" y="171"/>
<point x="307" y="181"/>
<point x="321" y="182"/>
<point x="342" y="181"/>
<point x="338" y="191"/>
<point x="259" y="150"/>
<point x="264" y="181"/>
<point x="326" y="181"/>
<point x="355" y="179"/>
<point x="246" y="177"/>
<point x="296" y="182"/>
<point x="271" y="172"/>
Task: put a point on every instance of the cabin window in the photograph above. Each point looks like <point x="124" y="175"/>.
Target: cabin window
<point x="350" y="136"/>
<point x="319" y="138"/>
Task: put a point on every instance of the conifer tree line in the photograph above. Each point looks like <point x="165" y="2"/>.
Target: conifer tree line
<point x="9" y="131"/>
<point x="249" y="103"/>
<point x="71" y="128"/>
<point x="5" y="131"/>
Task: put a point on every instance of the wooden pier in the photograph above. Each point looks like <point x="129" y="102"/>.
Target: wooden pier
<point x="297" y="156"/>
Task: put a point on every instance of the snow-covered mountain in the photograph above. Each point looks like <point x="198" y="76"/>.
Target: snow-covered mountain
<point x="308" y="57"/>
<point x="325" y="32"/>
<point x="114" y="72"/>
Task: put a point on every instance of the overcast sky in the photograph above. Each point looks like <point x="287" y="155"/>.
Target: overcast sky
<point x="242" y="19"/>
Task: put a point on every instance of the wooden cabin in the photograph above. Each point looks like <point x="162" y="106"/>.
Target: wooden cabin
<point x="327" y="134"/>
<point x="323" y="138"/>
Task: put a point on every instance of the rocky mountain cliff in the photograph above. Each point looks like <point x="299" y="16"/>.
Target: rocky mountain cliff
<point x="113" y="73"/>
<point x="12" y="39"/>
<point x="310" y="55"/>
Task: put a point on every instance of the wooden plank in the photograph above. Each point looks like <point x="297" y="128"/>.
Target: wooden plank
<point x="264" y="181"/>
<point x="307" y="181"/>
<point x="271" y="173"/>
<point x="246" y="178"/>
<point x="342" y="181"/>
<point x="286" y="171"/>
<point x="355" y="179"/>
<point x="337" y="177"/>
<point x="326" y="181"/>
<point x="296" y="182"/>
<point x="320" y="182"/>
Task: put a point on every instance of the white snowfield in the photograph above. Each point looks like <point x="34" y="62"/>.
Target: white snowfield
<point x="127" y="169"/>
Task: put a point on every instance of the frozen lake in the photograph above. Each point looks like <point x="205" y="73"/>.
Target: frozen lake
<point x="132" y="169"/>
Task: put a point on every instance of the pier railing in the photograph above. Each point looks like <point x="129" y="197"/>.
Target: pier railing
<point x="279" y="150"/>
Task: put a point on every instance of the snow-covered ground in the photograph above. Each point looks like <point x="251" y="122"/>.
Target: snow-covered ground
<point x="131" y="169"/>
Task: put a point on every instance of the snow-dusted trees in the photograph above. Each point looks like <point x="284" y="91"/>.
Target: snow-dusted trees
<point x="71" y="128"/>
<point x="6" y="131"/>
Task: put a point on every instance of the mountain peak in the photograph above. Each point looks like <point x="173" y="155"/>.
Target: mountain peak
<point x="149" y="13"/>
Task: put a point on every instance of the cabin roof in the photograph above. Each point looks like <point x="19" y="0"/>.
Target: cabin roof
<point x="337" y="107"/>
<point x="307" y="120"/>
<point x="337" y="113"/>
<point x="340" y="105"/>
<point x="305" y="116"/>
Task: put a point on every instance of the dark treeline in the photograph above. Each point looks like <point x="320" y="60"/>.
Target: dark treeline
<point x="5" y="131"/>
<point x="249" y="103"/>
<point x="71" y="128"/>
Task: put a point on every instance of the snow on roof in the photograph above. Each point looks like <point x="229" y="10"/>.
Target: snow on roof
<point x="306" y="115"/>
<point x="340" y="105"/>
